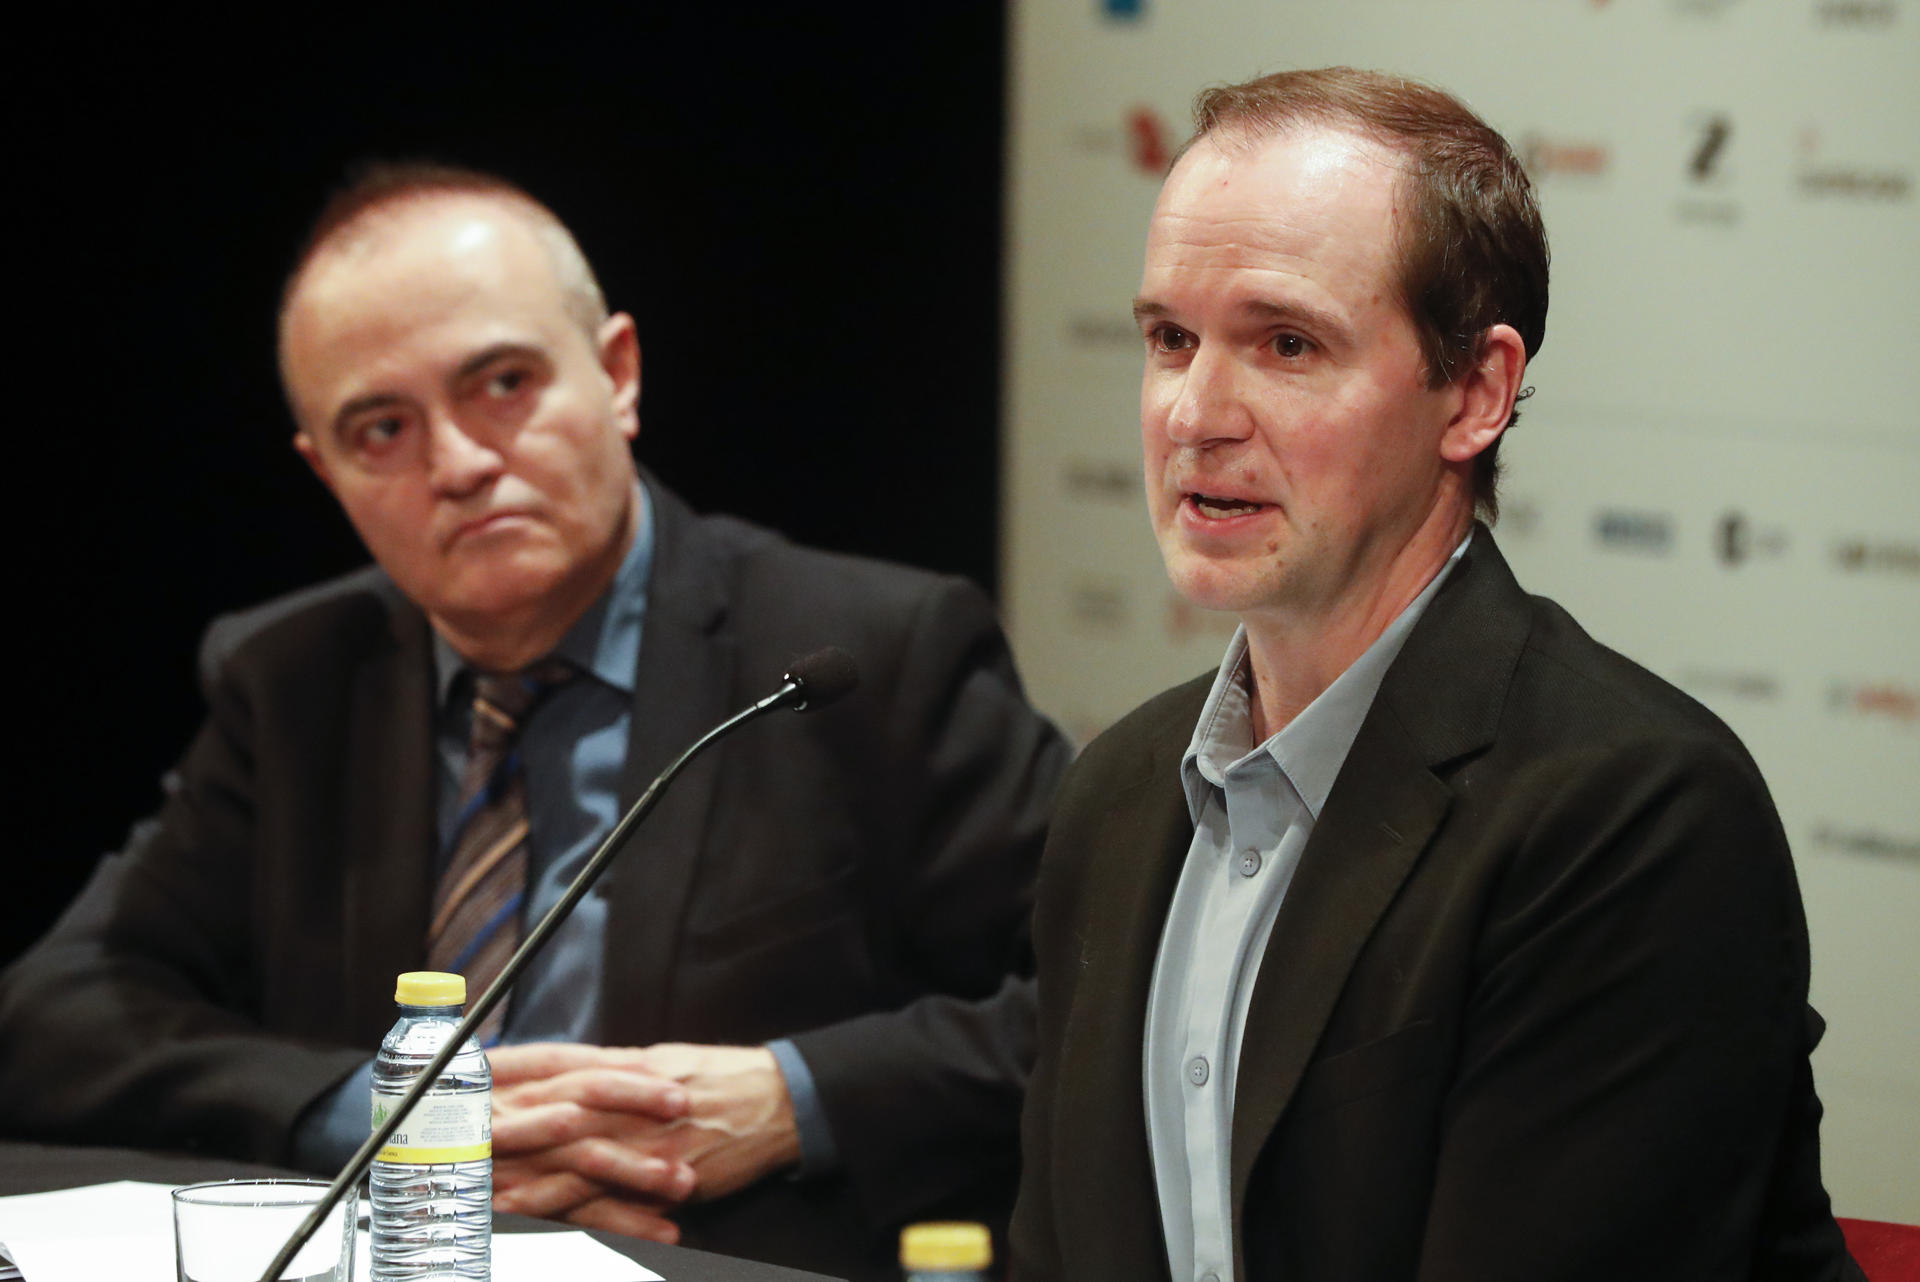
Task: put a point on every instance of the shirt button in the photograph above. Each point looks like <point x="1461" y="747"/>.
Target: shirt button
<point x="1209" y="1277"/>
<point x="1197" y="1070"/>
<point x="1249" y="863"/>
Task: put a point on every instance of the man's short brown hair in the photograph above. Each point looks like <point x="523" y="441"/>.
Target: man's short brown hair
<point x="1472" y="250"/>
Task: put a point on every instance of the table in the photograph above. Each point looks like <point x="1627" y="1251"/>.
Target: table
<point x="42" y="1168"/>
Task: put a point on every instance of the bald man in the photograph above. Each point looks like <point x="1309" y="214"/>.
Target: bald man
<point x="789" y="1019"/>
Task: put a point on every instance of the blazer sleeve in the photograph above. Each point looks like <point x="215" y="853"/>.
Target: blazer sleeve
<point x="138" y="1021"/>
<point x="923" y="1100"/>
<point x="1627" y="1062"/>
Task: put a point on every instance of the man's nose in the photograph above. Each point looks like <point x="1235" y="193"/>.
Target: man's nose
<point x="1210" y="405"/>
<point x="458" y="461"/>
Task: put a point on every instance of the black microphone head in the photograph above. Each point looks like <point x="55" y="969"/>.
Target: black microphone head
<point x="823" y="676"/>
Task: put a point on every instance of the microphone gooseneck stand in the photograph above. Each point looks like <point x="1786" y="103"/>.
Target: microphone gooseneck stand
<point x="812" y="682"/>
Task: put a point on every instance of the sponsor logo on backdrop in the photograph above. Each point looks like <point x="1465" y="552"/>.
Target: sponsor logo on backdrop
<point x="1097" y="330"/>
<point x="1547" y="157"/>
<point x="1880" y="700"/>
<point x="1705" y="199"/>
<point x="1519" y="516"/>
<point x="1104" y="480"/>
<point x="1704" y="8"/>
<point x="1098" y="605"/>
<point x="1185" y="621"/>
<point x="1877" y="556"/>
<point x="1142" y="138"/>
<point x="1856" y="13"/>
<point x="1737" y="540"/>
<point x="1124" y="10"/>
<point x="1150" y="141"/>
<point x="1630" y="530"/>
<point x="1851" y="840"/>
<point x="1728" y="683"/>
<point x="1820" y="177"/>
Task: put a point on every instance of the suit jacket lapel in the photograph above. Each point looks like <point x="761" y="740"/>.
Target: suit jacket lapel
<point x="1441" y="700"/>
<point x="1115" y="1219"/>
<point x="681" y="690"/>
<point x="386" y="802"/>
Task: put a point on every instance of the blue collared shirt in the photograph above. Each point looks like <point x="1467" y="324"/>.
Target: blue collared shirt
<point x="1253" y="808"/>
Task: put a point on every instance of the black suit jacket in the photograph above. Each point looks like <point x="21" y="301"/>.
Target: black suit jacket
<point x="858" y="879"/>
<point x="1533" y="1008"/>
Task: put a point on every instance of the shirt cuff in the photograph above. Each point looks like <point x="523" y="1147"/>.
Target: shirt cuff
<point x="818" y="1156"/>
<point x="335" y="1126"/>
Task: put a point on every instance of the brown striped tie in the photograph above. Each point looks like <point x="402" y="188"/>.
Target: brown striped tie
<point x="477" y="905"/>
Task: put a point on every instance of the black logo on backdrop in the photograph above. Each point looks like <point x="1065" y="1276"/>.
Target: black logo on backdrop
<point x="1823" y="179"/>
<point x="1866" y="841"/>
<point x="1737" y="540"/>
<point x="1877" y="556"/>
<point x="1710" y="148"/>
<point x="1856" y="13"/>
<point x="1753" y="687"/>
<point x="1102" y="331"/>
<point x="1105" y="480"/>
<point x="1627" y="530"/>
<point x="1704" y="200"/>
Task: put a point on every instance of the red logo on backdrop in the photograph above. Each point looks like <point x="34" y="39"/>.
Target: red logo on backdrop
<point x="1148" y="141"/>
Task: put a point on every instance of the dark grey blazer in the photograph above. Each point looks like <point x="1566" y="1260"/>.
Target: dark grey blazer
<point x="858" y="879"/>
<point x="1534" y="1007"/>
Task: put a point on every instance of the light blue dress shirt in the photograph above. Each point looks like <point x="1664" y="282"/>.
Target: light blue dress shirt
<point x="1253" y="809"/>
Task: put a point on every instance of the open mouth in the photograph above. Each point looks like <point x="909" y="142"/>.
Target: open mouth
<point x="1215" y="508"/>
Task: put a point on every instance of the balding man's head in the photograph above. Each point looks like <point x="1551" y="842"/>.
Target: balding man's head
<point x="450" y="392"/>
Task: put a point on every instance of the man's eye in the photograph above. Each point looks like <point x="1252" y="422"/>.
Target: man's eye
<point x="506" y="382"/>
<point x="379" y="432"/>
<point x="1291" y="346"/>
<point x="1169" y="338"/>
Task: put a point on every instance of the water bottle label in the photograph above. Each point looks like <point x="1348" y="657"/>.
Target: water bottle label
<point x="440" y="1129"/>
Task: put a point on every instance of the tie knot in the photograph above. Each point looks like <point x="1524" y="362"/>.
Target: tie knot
<point x="501" y="701"/>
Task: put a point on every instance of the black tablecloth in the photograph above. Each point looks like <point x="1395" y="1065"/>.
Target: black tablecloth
<point x="39" y="1168"/>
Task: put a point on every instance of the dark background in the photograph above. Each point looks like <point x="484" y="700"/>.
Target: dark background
<point x="799" y="204"/>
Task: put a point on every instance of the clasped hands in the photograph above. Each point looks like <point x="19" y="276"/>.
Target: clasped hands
<point x="616" y="1137"/>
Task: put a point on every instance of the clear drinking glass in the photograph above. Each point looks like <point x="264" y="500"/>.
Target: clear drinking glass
<point x="230" y="1230"/>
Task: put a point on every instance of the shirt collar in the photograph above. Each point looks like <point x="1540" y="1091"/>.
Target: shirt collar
<point x="605" y="641"/>
<point x="1310" y="749"/>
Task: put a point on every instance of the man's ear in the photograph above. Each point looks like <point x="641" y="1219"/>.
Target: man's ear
<point x="1487" y="393"/>
<point x="303" y="446"/>
<point x="619" y="342"/>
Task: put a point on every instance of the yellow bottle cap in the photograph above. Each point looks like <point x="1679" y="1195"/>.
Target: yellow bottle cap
<point x="945" y="1246"/>
<point x="430" y="988"/>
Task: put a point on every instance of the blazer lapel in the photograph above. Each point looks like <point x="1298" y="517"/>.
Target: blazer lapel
<point x="1380" y="816"/>
<point x="681" y="689"/>
<point x="1113" y="1224"/>
<point x="1440" y="701"/>
<point x="387" y="824"/>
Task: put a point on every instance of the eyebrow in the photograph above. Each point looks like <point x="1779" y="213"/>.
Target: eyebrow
<point x="466" y="369"/>
<point x="1308" y="317"/>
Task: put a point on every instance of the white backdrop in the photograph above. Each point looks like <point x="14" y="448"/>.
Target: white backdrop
<point x="1718" y="474"/>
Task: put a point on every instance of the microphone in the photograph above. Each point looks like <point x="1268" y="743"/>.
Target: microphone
<point x="808" y="683"/>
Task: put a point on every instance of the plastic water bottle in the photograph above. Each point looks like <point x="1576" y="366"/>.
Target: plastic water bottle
<point x="946" y="1252"/>
<point x="432" y="1183"/>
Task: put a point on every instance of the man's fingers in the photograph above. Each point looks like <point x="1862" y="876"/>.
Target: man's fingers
<point x="512" y="1064"/>
<point x="548" y="1195"/>
<point x="616" y="1215"/>
<point x="613" y="1090"/>
<point x="624" y="1169"/>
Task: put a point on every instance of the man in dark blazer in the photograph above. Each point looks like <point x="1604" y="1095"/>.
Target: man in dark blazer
<point x="1450" y="944"/>
<point x="855" y="884"/>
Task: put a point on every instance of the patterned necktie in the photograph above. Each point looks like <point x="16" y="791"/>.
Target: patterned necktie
<point x="477" y="905"/>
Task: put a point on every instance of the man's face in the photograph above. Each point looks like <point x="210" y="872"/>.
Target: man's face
<point x="1293" y="449"/>
<point x="476" y="435"/>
